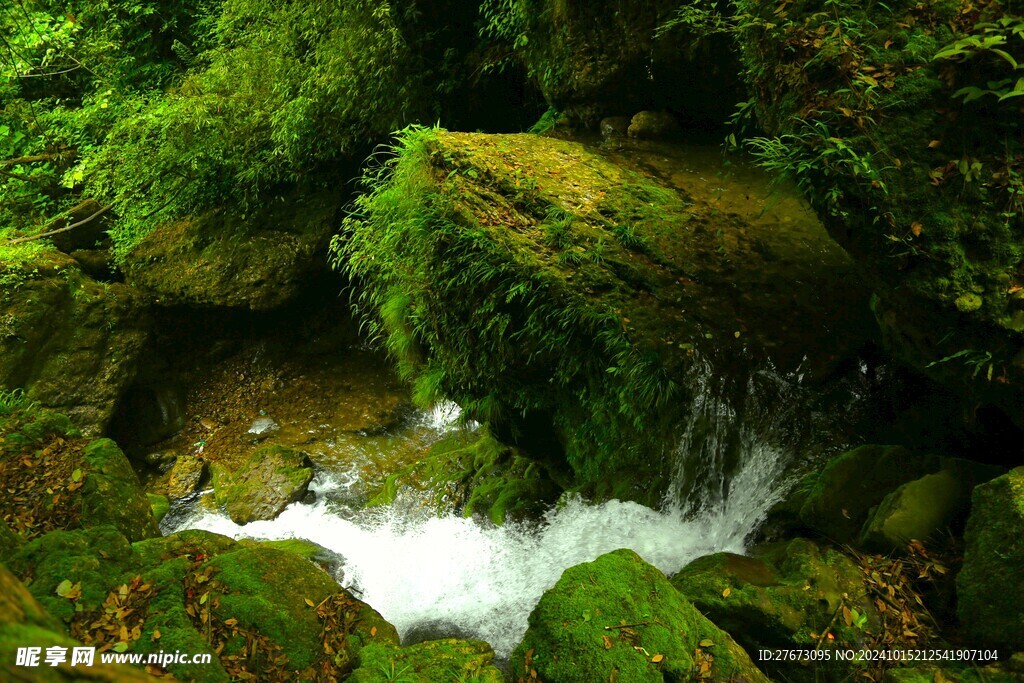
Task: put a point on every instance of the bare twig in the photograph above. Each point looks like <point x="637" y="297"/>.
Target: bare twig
<point x="50" y="233"/>
<point x="639" y="623"/>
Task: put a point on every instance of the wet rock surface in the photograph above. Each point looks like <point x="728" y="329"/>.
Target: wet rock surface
<point x="265" y="484"/>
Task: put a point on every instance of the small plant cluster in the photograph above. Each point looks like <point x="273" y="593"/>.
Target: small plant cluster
<point x="998" y="43"/>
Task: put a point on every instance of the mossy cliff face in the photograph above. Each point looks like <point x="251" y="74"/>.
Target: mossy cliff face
<point x="618" y="618"/>
<point x="70" y="341"/>
<point x="221" y="258"/>
<point x="920" y="185"/>
<point x="537" y="282"/>
<point x="609" y="58"/>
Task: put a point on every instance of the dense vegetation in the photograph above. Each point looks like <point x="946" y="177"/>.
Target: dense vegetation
<point x="191" y="160"/>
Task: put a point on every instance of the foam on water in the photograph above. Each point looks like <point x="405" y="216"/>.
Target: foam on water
<point x="481" y="581"/>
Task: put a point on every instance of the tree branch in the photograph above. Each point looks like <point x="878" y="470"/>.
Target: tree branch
<point x="50" y="233"/>
<point x="29" y="160"/>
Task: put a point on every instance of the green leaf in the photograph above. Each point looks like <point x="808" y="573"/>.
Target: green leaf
<point x="64" y="588"/>
<point x="76" y="475"/>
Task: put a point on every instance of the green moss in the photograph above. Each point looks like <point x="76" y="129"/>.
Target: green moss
<point x="95" y="558"/>
<point x="493" y="268"/>
<point x="113" y="495"/>
<point x="922" y="510"/>
<point x="476" y="474"/>
<point x="435" y="661"/>
<point x="159" y="505"/>
<point x="784" y="597"/>
<point x="611" y="617"/>
<point x="852" y="483"/>
<point x="968" y="303"/>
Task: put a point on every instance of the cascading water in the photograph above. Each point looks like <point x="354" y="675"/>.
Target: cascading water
<point x="441" y="576"/>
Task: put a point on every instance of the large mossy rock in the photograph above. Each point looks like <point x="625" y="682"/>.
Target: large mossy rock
<point x="786" y="596"/>
<point x="24" y="623"/>
<point x="201" y="593"/>
<point x="546" y="286"/>
<point x="595" y="59"/>
<point x="882" y="497"/>
<point x="919" y="184"/>
<point x="475" y="474"/>
<point x="432" y="661"/>
<point x="271" y="479"/>
<point x="53" y="478"/>
<point x="113" y="495"/>
<point x="221" y="259"/>
<point x="851" y="484"/>
<point x="990" y="592"/>
<point x="918" y="510"/>
<point x="71" y="342"/>
<point x="619" y="618"/>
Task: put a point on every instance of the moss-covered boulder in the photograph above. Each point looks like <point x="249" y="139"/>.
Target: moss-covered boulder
<point x="432" y="661"/>
<point x="618" y="617"/>
<point x="918" y="510"/>
<point x="894" y="125"/>
<point x="990" y="593"/>
<point x="53" y="478"/>
<point x="786" y="596"/>
<point x="475" y="474"/>
<point x="24" y="623"/>
<point x="221" y="259"/>
<point x="187" y="475"/>
<point x="550" y="288"/>
<point x="113" y="495"/>
<point x="271" y="479"/>
<point x="851" y="484"/>
<point x="254" y="608"/>
<point x="71" y="342"/>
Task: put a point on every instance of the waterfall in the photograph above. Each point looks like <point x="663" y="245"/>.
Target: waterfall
<point x="449" y="575"/>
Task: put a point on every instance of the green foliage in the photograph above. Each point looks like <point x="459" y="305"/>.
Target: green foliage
<point x="1000" y="44"/>
<point x="972" y="358"/>
<point x="68" y="71"/>
<point x="820" y="163"/>
<point x="277" y="96"/>
<point x="14" y="400"/>
<point x="547" y="122"/>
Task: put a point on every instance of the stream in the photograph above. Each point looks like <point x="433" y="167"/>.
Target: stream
<point x="442" y="576"/>
<point x="749" y="431"/>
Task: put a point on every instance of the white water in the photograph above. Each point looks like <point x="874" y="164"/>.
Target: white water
<point x="475" y="580"/>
